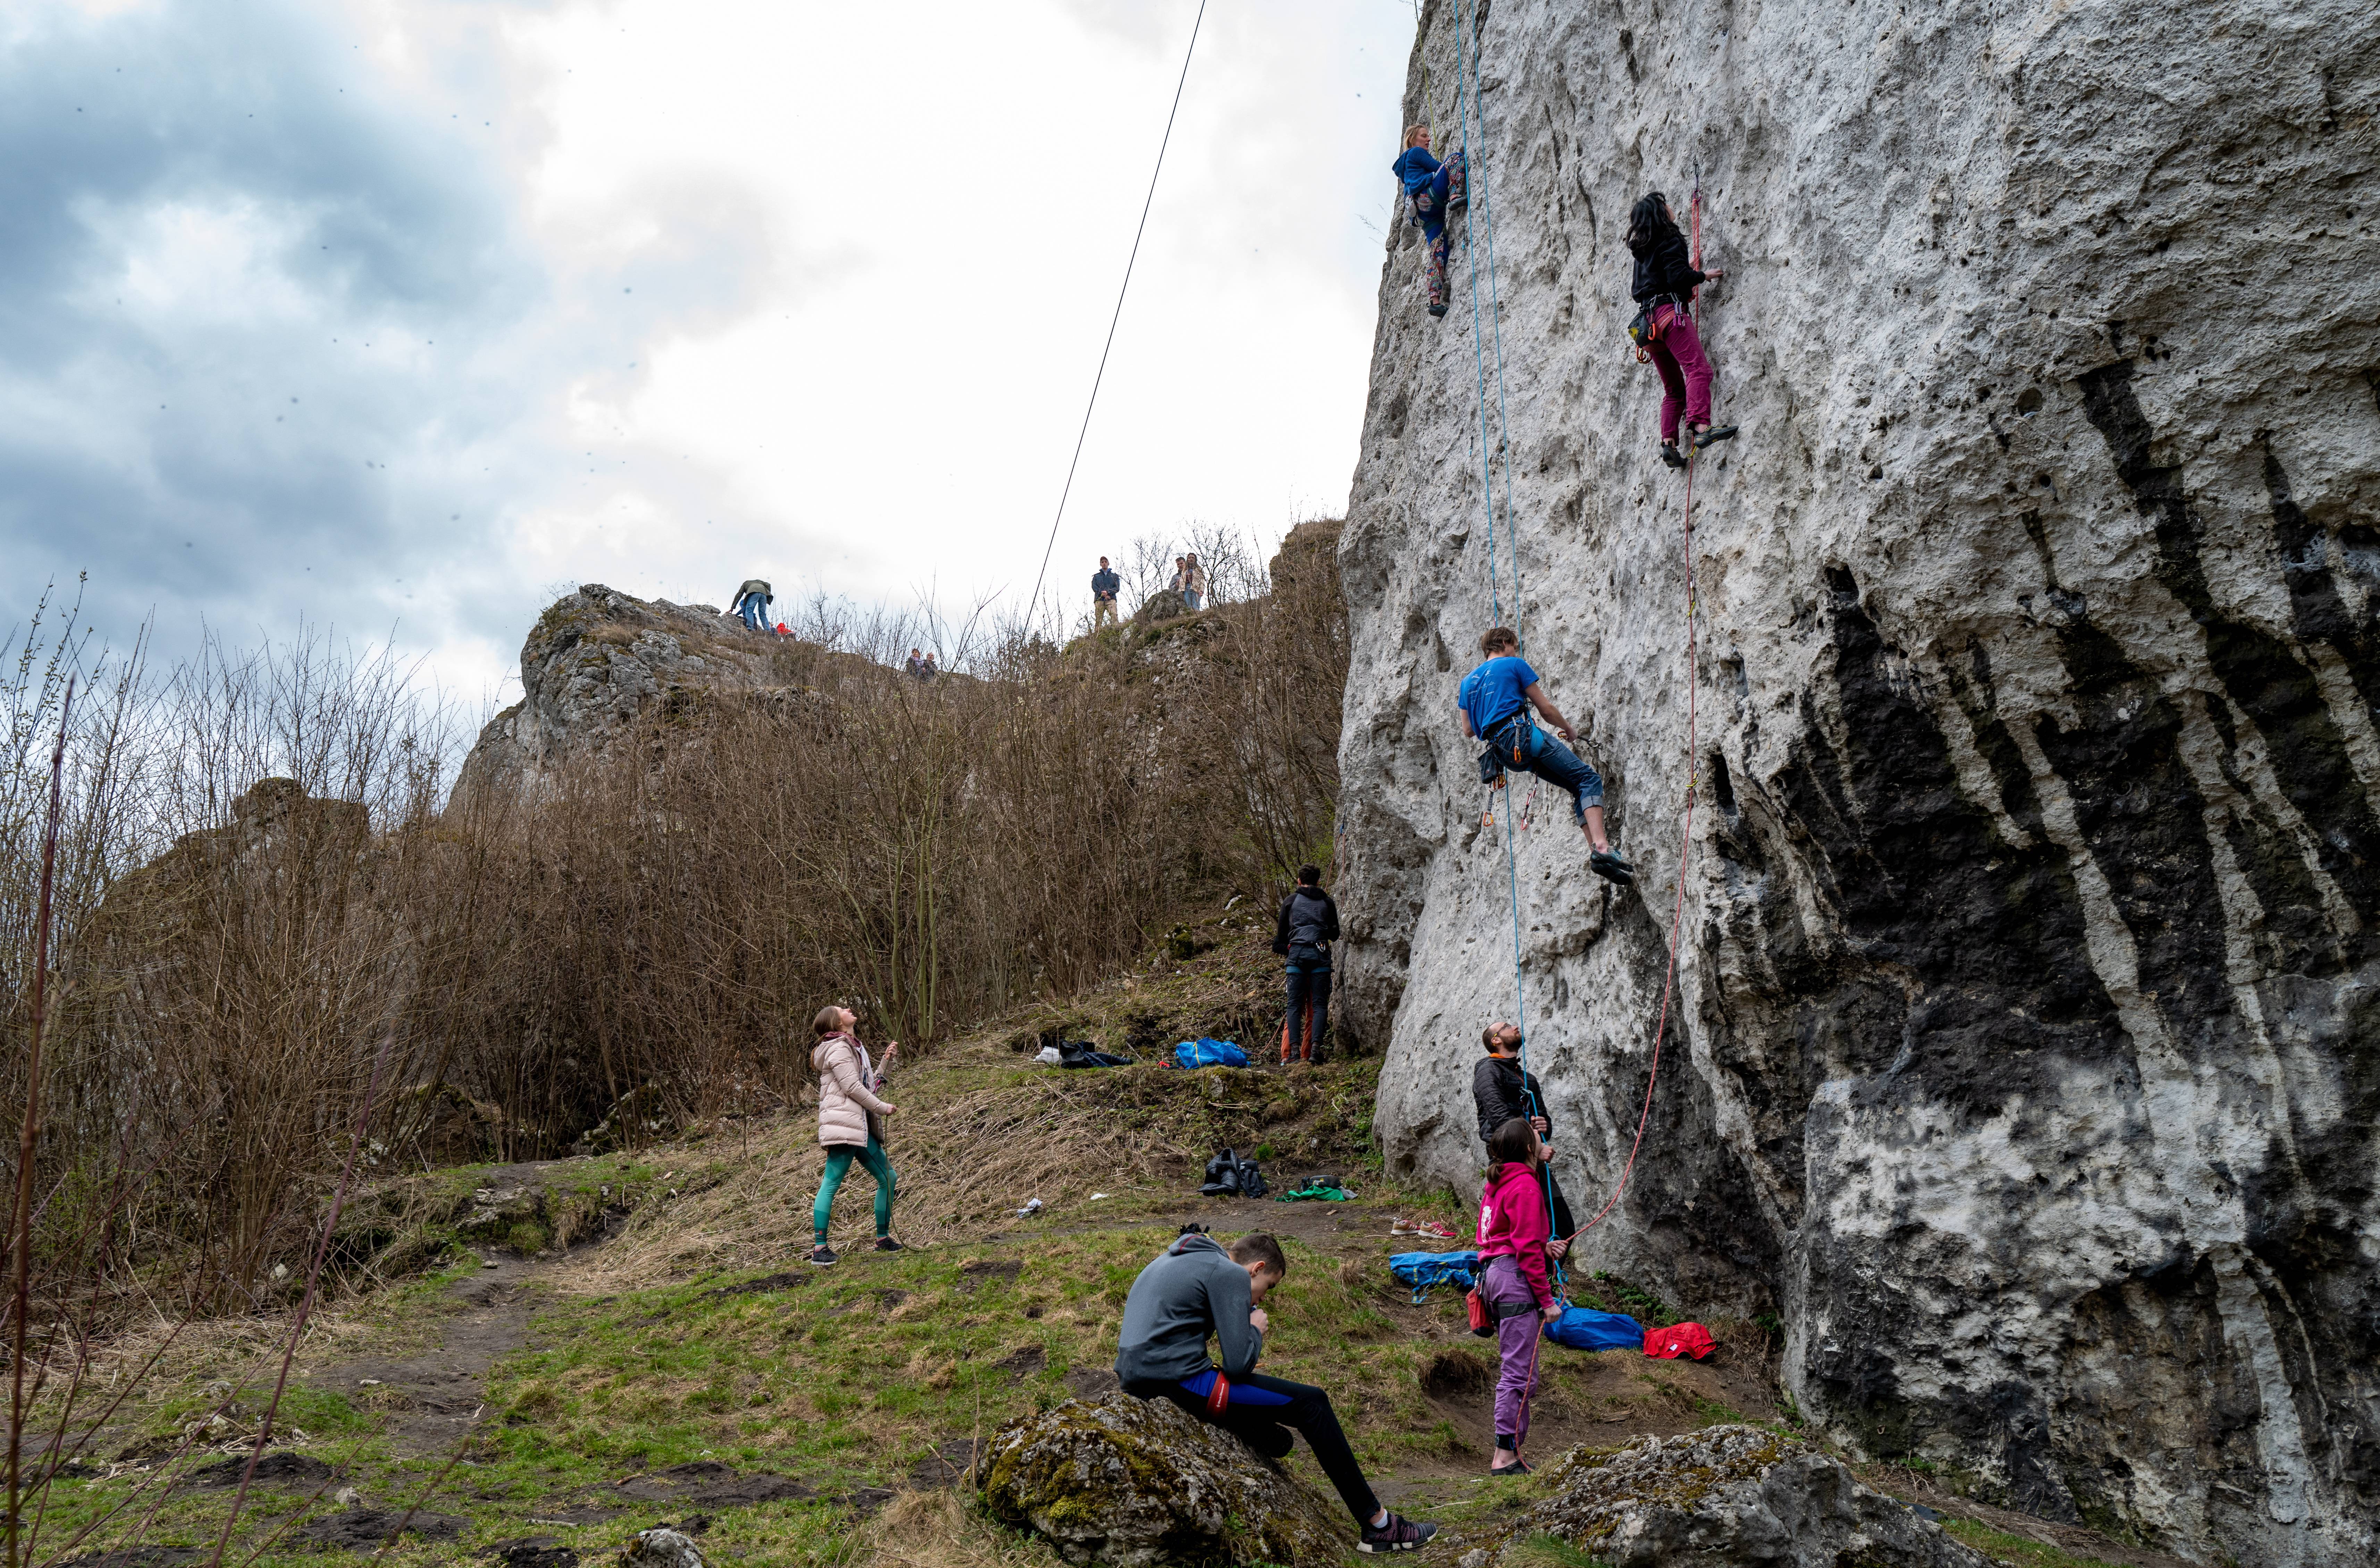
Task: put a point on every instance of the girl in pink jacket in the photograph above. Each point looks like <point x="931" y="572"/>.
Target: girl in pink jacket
<point x="1514" y="1230"/>
<point x="850" y="1123"/>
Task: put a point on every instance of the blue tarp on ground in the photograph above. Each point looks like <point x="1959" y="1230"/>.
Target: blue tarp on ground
<point x="1582" y="1329"/>
<point x="1423" y="1270"/>
<point x="1204" y="1052"/>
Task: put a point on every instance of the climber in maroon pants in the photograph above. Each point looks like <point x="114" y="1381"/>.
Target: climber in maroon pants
<point x="1664" y="290"/>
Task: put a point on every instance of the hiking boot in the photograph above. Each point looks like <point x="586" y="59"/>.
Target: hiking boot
<point x="886" y="1243"/>
<point x="1606" y="864"/>
<point x="1672" y="455"/>
<point x="820" y="1256"/>
<point x="1714" y="435"/>
<point x="1399" y="1534"/>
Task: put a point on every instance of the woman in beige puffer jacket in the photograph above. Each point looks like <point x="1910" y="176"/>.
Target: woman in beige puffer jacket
<point x="849" y="1123"/>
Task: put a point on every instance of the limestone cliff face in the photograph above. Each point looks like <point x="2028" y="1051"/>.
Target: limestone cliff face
<point x="2026" y="1053"/>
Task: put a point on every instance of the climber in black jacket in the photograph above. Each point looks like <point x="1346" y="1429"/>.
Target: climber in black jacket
<point x="1664" y="289"/>
<point x="1309" y="925"/>
<point x="1501" y="1089"/>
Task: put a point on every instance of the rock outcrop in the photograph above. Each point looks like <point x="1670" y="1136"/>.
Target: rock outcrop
<point x="597" y="664"/>
<point x="1125" y="1481"/>
<point x="2022" y="1055"/>
<point x="1724" y="1496"/>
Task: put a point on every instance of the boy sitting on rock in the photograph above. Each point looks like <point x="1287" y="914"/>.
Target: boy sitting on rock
<point x="1197" y="1290"/>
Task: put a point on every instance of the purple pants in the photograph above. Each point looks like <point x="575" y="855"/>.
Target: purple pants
<point x="1685" y="370"/>
<point x="1516" y="1340"/>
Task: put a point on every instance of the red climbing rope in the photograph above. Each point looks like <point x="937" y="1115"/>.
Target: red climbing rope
<point x="1686" y="838"/>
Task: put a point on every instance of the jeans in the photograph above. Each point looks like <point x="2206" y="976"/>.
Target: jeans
<point x="1685" y="370"/>
<point x="1520" y="744"/>
<point x="1516" y="1342"/>
<point x="1192" y="598"/>
<point x="755" y="610"/>
<point x="1309" y="1006"/>
<point x="838" y="1162"/>
<point x="1103" y="613"/>
<point x="1262" y="1412"/>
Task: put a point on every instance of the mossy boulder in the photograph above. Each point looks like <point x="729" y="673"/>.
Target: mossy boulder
<point x="1121" y="1480"/>
<point x="1722" y="1495"/>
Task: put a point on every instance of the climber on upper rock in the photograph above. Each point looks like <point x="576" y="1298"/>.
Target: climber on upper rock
<point x="1432" y="190"/>
<point x="1493" y="701"/>
<point x="1664" y="290"/>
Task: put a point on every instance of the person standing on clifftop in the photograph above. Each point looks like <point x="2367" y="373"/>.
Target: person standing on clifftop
<point x="1105" y="586"/>
<point x="1309" y="925"/>
<point x="851" y="1123"/>
<point x="752" y="601"/>
<point x="1432" y="190"/>
<point x="1493" y="701"/>
<point x="1664" y="289"/>
<point x="1193" y="582"/>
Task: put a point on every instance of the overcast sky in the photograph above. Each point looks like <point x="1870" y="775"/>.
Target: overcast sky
<point x="409" y="313"/>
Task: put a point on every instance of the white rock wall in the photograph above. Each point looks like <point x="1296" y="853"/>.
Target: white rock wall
<point x="2025" y="1057"/>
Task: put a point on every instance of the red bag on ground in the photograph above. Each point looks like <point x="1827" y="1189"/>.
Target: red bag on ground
<point x="1680" y="1339"/>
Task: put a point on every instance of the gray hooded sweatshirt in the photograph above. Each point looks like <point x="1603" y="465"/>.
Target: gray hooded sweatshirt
<point x="1193" y="1289"/>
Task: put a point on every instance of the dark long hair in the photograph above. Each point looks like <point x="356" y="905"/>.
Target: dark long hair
<point x="1649" y="222"/>
<point x="1512" y="1143"/>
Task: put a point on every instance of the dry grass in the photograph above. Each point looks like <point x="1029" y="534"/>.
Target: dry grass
<point x="937" y="1530"/>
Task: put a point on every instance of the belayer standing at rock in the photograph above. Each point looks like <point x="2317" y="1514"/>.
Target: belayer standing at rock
<point x="851" y="1123"/>
<point x="1105" y="586"/>
<point x="1664" y="290"/>
<point x="1495" y="699"/>
<point x="1309" y="925"/>
<point x="752" y="601"/>
<point x="1195" y="1291"/>
<point x="1501" y="1089"/>
<point x="1513" y="1236"/>
<point x="1432" y="190"/>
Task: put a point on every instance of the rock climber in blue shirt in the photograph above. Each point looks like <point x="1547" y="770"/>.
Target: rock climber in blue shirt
<point x="1495" y="700"/>
<point x="1432" y="190"/>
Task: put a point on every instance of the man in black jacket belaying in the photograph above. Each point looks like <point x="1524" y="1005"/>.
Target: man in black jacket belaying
<point x="1501" y="1090"/>
<point x="1309" y="925"/>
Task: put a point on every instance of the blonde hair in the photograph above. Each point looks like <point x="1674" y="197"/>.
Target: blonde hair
<point x="1415" y="133"/>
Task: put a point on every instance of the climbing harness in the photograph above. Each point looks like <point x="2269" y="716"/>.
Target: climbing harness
<point x="1033" y="603"/>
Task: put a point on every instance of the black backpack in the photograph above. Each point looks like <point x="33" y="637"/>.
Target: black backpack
<point x="1228" y="1175"/>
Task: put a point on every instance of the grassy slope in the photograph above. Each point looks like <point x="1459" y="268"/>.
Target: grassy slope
<point x="641" y="1353"/>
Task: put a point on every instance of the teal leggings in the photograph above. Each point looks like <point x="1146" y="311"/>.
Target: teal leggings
<point x="839" y="1157"/>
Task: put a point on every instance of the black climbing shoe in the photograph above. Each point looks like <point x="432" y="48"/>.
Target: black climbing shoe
<point x="820" y="1256"/>
<point x="1672" y="455"/>
<point x="886" y="1243"/>
<point x="1399" y="1534"/>
<point x="1714" y="435"/>
<point x="1606" y="864"/>
<point x="1439" y="310"/>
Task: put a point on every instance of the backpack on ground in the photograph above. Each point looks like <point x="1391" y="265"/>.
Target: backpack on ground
<point x="1423" y="1271"/>
<point x="1582" y="1329"/>
<point x="1228" y="1175"/>
<point x="1205" y="1052"/>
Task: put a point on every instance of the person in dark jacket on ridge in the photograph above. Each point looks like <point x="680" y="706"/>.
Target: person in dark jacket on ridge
<point x="1196" y="1290"/>
<point x="752" y="601"/>
<point x="1665" y="283"/>
<point x="1434" y="189"/>
<point x="1501" y="1091"/>
<point x="1493" y="701"/>
<point x="1309" y="925"/>
<point x="1105" y="586"/>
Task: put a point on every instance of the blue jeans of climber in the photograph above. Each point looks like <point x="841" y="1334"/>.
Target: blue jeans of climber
<point x="1520" y="744"/>
<point x="755" y="610"/>
<point x="1309" y="1003"/>
<point x="838" y="1164"/>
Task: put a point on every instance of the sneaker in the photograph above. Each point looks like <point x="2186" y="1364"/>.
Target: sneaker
<point x="1606" y="864"/>
<point x="1518" y="1467"/>
<point x="1714" y="435"/>
<point x="821" y="1256"/>
<point x="1399" y="1534"/>
<point x="1672" y="455"/>
<point x="1434" y="1229"/>
<point x="886" y="1243"/>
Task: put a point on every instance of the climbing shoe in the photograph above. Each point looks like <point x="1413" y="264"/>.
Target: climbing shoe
<point x="1714" y="435"/>
<point x="1606" y="864"/>
<point x="886" y="1243"/>
<point x="1438" y="311"/>
<point x="1672" y="455"/>
<point x="821" y="1256"/>
<point x="1399" y="1534"/>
